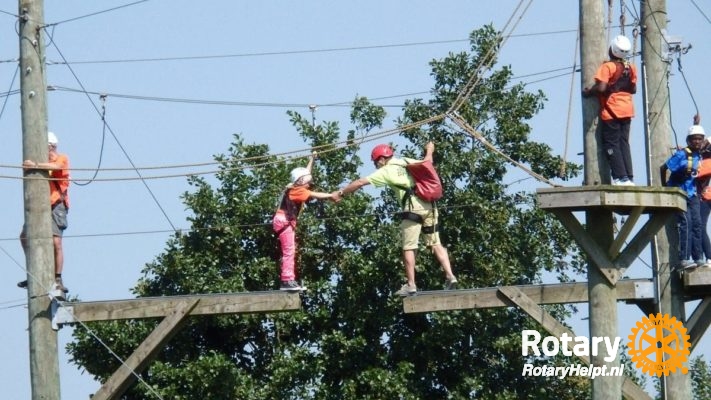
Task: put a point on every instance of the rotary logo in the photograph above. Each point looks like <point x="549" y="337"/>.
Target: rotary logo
<point x="659" y="345"/>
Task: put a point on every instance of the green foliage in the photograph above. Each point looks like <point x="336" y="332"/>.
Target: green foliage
<point x="352" y="340"/>
<point x="700" y="371"/>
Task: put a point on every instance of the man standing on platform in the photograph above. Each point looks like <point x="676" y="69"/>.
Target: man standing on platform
<point x="57" y="166"/>
<point x="615" y="83"/>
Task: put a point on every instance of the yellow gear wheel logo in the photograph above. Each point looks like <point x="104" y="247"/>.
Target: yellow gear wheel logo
<point x="659" y="345"/>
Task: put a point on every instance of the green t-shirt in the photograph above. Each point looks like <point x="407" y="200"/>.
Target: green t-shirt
<point x="395" y="175"/>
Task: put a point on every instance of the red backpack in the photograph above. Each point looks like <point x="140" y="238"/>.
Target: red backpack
<point x="428" y="186"/>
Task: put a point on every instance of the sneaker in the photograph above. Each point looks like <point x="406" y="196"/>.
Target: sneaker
<point x="686" y="264"/>
<point x="450" y="284"/>
<point x="60" y="286"/>
<point x="628" y="182"/>
<point x="406" y="290"/>
<point x="290" y="286"/>
<point x="22" y="284"/>
<point x="701" y="263"/>
<point x="622" y="182"/>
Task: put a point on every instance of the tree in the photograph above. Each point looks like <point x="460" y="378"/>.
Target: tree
<point x="352" y="340"/>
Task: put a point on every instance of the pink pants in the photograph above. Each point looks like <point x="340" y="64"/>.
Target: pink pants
<point x="287" y="239"/>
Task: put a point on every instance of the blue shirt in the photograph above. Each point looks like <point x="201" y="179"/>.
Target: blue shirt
<point x="678" y="165"/>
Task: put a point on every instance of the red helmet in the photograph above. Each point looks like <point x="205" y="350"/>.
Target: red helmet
<point x="381" y="150"/>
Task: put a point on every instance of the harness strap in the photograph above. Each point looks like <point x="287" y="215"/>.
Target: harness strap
<point x="411" y="216"/>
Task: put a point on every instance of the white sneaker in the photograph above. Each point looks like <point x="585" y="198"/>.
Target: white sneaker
<point x="406" y="290"/>
<point x="622" y="182"/>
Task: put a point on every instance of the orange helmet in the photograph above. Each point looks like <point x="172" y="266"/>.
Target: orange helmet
<point x="381" y="150"/>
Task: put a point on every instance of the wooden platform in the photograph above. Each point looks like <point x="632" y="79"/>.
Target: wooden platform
<point x="442" y="300"/>
<point x="698" y="280"/>
<point x="154" y="307"/>
<point x="619" y="199"/>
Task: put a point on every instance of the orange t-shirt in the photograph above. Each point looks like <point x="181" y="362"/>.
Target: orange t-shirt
<point x="621" y="103"/>
<point x="62" y="174"/>
<point x="299" y="194"/>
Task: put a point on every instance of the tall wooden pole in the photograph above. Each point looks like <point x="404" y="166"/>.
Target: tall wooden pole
<point x="658" y="143"/>
<point x="602" y="294"/>
<point x="39" y="256"/>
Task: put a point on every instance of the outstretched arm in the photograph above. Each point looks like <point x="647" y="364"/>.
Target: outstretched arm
<point x="429" y="151"/>
<point x="311" y="161"/>
<point x="350" y="188"/>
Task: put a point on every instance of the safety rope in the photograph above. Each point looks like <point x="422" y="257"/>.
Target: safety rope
<point x="564" y="164"/>
<point x="459" y="121"/>
<point x="103" y="140"/>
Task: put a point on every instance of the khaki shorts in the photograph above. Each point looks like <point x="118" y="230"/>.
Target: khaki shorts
<point x="410" y="230"/>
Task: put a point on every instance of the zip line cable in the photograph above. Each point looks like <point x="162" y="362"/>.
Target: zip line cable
<point x="292" y="52"/>
<point x="128" y="157"/>
<point x="268" y="104"/>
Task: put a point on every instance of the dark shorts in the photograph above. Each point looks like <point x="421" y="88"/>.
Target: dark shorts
<point x="59" y="221"/>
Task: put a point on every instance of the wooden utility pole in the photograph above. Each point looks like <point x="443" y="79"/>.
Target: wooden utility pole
<point x="602" y="293"/>
<point x="657" y="128"/>
<point x="39" y="256"/>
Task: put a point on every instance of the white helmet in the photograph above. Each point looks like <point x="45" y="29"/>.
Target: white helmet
<point x="621" y="47"/>
<point x="696" y="130"/>
<point x="52" y="138"/>
<point x="298" y="173"/>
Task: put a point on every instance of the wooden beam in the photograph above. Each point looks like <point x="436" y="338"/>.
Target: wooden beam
<point x="642" y="239"/>
<point x="125" y="376"/>
<point x="593" y="250"/>
<point x="152" y="307"/>
<point x="697" y="277"/>
<point x="516" y="298"/>
<point x="625" y="231"/>
<point x="699" y="322"/>
<point x="442" y="300"/>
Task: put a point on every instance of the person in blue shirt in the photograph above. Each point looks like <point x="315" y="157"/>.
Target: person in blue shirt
<point x="683" y="166"/>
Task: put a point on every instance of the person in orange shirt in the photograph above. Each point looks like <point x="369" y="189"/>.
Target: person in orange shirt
<point x="57" y="166"/>
<point x="615" y="83"/>
<point x="292" y="201"/>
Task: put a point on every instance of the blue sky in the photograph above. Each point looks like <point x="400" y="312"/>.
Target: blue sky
<point x="257" y="59"/>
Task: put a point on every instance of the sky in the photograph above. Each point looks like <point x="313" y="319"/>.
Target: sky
<point x="237" y="67"/>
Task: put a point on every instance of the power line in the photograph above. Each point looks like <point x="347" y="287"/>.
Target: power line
<point x="95" y="13"/>
<point x="291" y="52"/>
<point x="700" y="11"/>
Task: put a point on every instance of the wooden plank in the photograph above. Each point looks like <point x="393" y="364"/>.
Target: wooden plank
<point x="443" y="300"/>
<point x="125" y="376"/>
<point x="516" y="297"/>
<point x="697" y="277"/>
<point x="151" y="307"/>
<point x="699" y="322"/>
<point x="616" y="198"/>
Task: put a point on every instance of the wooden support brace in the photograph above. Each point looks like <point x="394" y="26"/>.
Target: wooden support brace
<point x="630" y="390"/>
<point x="589" y="245"/>
<point x="699" y="322"/>
<point x="625" y="231"/>
<point x="124" y="377"/>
